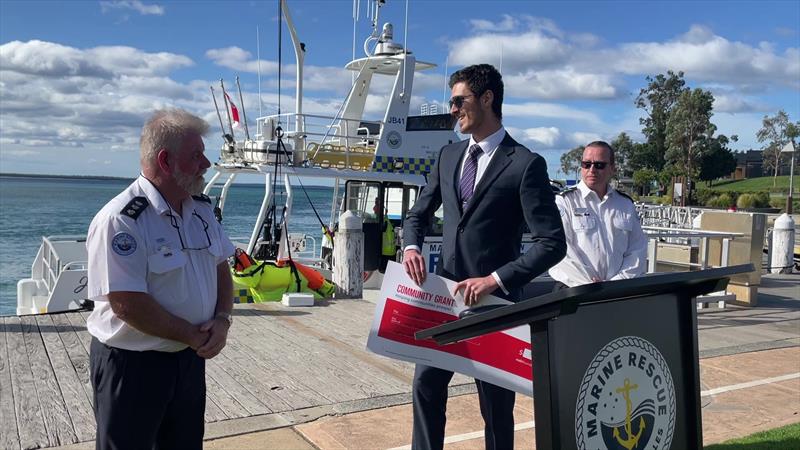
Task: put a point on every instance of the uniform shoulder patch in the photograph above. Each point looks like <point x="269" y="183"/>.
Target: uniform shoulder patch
<point x="202" y="198"/>
<point x="135" y="207"/>
<point x="123" y="244"/>
<point x="626" y="196"/>
<point x="567" y="191"/>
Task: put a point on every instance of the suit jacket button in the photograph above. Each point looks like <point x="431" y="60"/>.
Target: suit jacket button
<point x="460" y="229"/>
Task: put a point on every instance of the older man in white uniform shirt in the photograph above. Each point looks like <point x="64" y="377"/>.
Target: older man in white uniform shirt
<point x="605" y="240"/>
<point x="159" y="276"/>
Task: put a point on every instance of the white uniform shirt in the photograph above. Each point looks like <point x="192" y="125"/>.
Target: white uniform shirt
<point x="604" y="237"/>
<point x="144" y="254"/>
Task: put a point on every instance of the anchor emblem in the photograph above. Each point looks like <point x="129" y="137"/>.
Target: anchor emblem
<point x="630" y="441"/>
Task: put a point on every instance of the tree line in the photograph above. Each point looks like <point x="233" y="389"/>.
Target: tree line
<point x="681" y="140"/>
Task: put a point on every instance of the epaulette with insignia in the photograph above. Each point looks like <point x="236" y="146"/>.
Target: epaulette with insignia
<point x="202" y="198"/>
<point x="135" y="207"/>
<point x="568" y="190"/>
<point x="626" y="196"/>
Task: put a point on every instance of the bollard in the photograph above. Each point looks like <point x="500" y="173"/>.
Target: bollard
<point x="348" y="257"/>
<point x="782" y="250"/>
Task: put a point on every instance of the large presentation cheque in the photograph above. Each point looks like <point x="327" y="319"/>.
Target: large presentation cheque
<point x="403" y="308"/>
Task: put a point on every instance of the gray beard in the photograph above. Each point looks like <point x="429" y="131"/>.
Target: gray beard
<point x="189" y="183"/>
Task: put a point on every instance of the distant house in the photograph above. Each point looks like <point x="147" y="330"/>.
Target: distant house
<point x="749" y="164"/>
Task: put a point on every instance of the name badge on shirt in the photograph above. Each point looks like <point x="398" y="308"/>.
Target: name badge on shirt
<point x="165" y="251"/>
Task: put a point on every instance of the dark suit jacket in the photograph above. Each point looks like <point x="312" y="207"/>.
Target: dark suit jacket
<point x="486" y="236"/>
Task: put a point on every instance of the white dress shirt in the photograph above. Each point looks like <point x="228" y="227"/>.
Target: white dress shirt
<point x="488" y="147"/>
<point x="145" y="254"/>
<point x="605" y="240"/>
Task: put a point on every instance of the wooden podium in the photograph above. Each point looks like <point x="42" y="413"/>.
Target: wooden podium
<point x="615" y="364"/>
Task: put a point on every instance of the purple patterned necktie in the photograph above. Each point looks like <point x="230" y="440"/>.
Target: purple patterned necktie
<point x="467" y="184"/>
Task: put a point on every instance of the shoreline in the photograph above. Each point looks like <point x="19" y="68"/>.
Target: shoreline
<point x="109" y="178"/>
<point x="64" y="177"/>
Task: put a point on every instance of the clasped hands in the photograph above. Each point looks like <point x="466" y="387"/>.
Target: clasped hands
<point x="473" y="288"/>
<point x="211" y="337"/>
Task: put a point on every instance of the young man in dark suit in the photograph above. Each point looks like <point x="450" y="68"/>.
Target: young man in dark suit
<point x="490" y="187"/>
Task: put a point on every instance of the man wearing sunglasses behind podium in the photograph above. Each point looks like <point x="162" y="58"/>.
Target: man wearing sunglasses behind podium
<point x="159" y="276"/>
<point x="604" y="237"/>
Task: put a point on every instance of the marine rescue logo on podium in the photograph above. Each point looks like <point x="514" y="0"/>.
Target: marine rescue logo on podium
<point x="627" y="399"/>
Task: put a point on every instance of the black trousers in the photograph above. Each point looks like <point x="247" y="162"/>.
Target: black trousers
<point x="147" y="400"/>
<point x="430" y="405"/>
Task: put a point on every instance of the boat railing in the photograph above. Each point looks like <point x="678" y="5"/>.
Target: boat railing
<point x="57" y="258"/>
<point x="58" y="276"/>
<point x="667" y="216"/>
<point x="324" y="141"/>
<point x="689" y="239"/>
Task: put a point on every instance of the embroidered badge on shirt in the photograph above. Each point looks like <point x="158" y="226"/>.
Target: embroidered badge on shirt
<point x="123" y="244"/>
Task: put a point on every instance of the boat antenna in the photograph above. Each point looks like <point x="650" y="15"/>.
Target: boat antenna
<point x="272" y="215"/>
<point x="405" y="52"/>
<point x="244" y="110"/>
<point x="258" y="61"/>
<point x="356" y="13"/>
<point x="501" y="57"/>
<point x="227" y="108"/>
<point x="216" y="107"/>
<point x="280" y="47"/>
<point x="375" y="17"/>
<point x="444" y="88"/>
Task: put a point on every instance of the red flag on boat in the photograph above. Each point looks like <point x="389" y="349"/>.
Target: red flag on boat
<point x="234" y="111"/>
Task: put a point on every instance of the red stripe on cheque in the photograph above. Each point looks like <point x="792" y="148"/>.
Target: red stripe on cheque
<point x="400" y="321"/>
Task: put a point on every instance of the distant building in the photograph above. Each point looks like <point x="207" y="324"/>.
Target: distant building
<point x="429" y="109"/>
<point x="749" y="164"/>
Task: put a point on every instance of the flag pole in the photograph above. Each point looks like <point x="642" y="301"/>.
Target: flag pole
<point x="244" y="111"/>
<point x="216" y="107"/>
<point x="227" y="108"/>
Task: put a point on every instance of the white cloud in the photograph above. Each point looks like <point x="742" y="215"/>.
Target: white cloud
<point x="507" y="23"/>
<point x="703" y="55"/>
<point x="547" y="137"/>
<point x="584" y="137"/>
<point x="540" y="60"/>
<point x="732" y="103"/>
<point x="59" y="96"/>
<point x="561" y="84"/>
<point x="48" y="59"/>
<point x="241" y="60"/>
<point x="531" y="49"/>
<point x="549" y="111"/>
<point x="133" y="5"/>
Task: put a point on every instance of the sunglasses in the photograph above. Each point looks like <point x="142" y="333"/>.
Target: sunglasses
<point x="599" y="165"/>
<point x="458" y="100"/>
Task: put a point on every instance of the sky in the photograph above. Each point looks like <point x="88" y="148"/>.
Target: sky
<point x="79" y="78"/>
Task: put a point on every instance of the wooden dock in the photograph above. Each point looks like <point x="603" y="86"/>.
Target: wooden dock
<point x="289" y="363"/>
<point x="277" y="360"/>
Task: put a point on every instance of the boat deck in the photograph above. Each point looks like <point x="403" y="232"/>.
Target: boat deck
<point x="286" y="366"/>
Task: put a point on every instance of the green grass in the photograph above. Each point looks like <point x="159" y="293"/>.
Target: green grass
<point x="752" y="184"/>
<point x="784" y="438"/>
